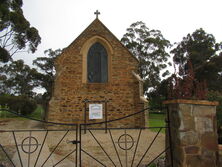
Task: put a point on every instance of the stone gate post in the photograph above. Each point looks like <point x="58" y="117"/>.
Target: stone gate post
<point x="193" y="133"/>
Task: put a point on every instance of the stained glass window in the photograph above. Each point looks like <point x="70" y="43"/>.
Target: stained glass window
<point x="97" y="64"/>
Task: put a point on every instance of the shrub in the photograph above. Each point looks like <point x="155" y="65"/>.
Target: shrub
<point x="217" y="96"/>
<point x="19" y="104"/>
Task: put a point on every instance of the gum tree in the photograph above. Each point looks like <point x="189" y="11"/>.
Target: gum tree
<point x="149" y="47"/>
<point x="16" y="34"/>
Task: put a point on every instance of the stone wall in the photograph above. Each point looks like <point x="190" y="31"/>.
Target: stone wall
<point x="220" y="155"/>
<point x="194" y="133"/>
<point x="71" y="86"/>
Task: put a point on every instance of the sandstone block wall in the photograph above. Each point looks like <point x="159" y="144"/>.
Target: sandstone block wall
<point x="194" y="133"/>
<point x="71" y="86"/>
<point x="219" y="155"/>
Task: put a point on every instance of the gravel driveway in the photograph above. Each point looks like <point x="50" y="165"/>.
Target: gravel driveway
<point x="123" y="147"/>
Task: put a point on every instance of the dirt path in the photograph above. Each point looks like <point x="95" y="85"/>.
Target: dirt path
<point x="12" y="123"/>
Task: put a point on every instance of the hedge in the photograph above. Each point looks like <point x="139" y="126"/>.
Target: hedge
<point x="19" y="104"/>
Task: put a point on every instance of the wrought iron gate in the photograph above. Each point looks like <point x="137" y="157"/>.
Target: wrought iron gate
<point x="75" y="145"/>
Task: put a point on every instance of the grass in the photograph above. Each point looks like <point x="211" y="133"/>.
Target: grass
<point x="5" y="114"/>
<point x="152" y="165"/>
<point x="157" y="120"/>
<point x="37" y="114"/>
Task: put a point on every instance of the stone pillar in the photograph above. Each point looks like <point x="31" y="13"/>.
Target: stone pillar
<point x="193" y="133"/>
<point x="220" y="155"/>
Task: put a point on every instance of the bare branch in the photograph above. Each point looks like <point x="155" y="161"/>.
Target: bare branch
<point x="5" y="42"/>
<point x="22" y="51"/>
<point x="16" y="50"/>
<point x="10" y="44"/>
<point x="12" y="48"/>
<point x="6" y="34"/>
<point x="1" y="42"/>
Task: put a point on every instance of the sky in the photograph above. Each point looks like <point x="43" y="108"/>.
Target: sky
<point x="59" y="22"/>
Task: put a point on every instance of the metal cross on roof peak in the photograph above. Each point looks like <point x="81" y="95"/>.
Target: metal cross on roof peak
<point x="97" y="13"/>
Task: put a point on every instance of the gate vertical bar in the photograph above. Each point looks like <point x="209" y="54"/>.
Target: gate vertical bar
<point x="13" y="132"/>
<point x="30" y="134"/>
<point x="77" y="127"/>
<point x="80" y="146"/>
<point x="170" y="138"/>
<point x="105" y="116"/>
<point x="85" y="107"/>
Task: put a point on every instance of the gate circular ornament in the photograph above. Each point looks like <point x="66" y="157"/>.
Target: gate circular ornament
<point x="125" y="142"/>
<point x="29" y="145"/>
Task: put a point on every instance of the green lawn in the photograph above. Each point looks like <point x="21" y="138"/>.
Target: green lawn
<point x="37" y="114"/>
<point x="157" y="120"/>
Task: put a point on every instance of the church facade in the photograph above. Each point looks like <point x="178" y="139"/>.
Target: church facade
<point x="97" y="67"/>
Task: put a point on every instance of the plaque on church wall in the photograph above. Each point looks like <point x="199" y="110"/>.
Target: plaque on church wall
<point x="95" y="111"/>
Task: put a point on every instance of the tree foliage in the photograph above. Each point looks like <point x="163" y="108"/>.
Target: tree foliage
<point x="149" y="47"/>
<point x="202" y="50"/>
<point x="16" y="34"/>
<point x="157" y="96"/>
<point x="17" y="78"/>
<point x="46" y="65"/>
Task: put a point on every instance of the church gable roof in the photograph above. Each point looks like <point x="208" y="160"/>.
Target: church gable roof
<point x="97" y="28"/>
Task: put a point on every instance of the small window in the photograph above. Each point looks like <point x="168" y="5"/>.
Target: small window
<point x="97" y="64"/>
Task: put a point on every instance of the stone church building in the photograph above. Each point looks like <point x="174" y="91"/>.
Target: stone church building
<point x="96" y="66"/>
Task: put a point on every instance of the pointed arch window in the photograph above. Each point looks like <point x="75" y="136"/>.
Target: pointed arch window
<point x="97" y="64"/>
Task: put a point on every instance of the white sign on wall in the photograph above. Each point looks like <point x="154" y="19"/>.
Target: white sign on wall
<point x="95" y="111"/>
